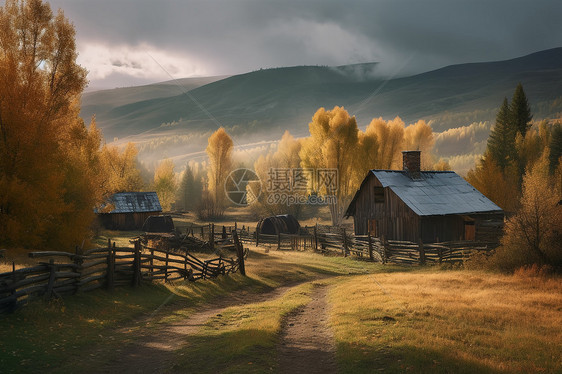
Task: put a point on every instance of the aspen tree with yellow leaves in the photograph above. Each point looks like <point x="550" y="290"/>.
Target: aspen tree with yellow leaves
<point x="333" y="138"/>
<point x="121" y="173"/>
<point x="534" y="234"/>
<point x="49" y="160"/>
<point x="390" y="137"/>
<point x="419" y="137"/>
<point x="286" y="157"/>
<point x="219" y="150"/>
<point x="165" y="183"/>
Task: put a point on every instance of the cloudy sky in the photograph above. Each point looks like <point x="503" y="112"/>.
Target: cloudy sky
<point x="132" y="42"/>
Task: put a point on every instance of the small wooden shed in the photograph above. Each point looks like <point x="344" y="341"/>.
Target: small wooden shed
<point x="433" y="206"/>
<point x="129" y="210"/>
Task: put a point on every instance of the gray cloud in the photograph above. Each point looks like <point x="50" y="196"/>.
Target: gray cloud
<point x="226" y="37"/>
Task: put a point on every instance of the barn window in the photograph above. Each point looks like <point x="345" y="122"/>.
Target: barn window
<point x="379" y="194"/>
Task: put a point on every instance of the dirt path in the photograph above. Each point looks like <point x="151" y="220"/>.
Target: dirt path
<point x="307" y="344"/>
<point x="152" y="349"/>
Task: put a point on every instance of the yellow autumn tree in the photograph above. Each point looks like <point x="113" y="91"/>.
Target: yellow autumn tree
<point x="219" y="150"/>
<point x="534" y="234"/>
<point x="287" y="153"/>
<point x="165" y="183"/>
<point x="48" y="159"/>
<point x="419" y="137"/>
<point x="500" y="186"/>
<point x="284" y="161"/>
<point x="330" y="150"/>
<point x="390" y="138"/>
<point x="367" y="156"/>
<point x="120" y="169"/>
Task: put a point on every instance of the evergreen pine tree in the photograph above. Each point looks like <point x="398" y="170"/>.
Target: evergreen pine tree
<point x="520" y="111"/>
<point x="190" y="190"/>
<point x="501" y="143"/>
<point x="183" y="191"/>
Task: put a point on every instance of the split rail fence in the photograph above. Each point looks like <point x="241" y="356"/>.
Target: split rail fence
<point x="108" y="267"/>
<point x="341" y="240"/>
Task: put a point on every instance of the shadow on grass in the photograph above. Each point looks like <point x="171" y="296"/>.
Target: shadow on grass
<point x="45" y="334"/>
<point x="241" y="351"/>
<point x="357" y="358"/>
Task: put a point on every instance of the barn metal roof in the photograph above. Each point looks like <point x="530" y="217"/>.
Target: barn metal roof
<point x="435" y="192"/>
<point x="133" y="202"/>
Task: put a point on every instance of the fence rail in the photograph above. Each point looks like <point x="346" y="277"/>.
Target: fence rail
<point x="108" y="267"/>
<point x="326" y="239"/>
<point x="341" y="240"/>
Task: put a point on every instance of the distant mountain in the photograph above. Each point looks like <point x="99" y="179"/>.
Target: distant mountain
<point x="260" y="105"/>
<point x="102" y="102"/>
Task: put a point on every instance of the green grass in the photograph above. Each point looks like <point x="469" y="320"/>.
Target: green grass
<point x="383" y="317"/>
<point x="44" y="334"/>
<point x="241" y="339"/>
<point x="57" y="333"/>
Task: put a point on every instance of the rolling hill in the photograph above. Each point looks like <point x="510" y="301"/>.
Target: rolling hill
<point x="260" y="105"/>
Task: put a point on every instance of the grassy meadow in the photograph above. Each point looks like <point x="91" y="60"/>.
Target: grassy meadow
<point x="384" y="318"/>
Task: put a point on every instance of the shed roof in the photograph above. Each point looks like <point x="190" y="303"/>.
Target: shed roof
<point x="433" y="193"/>
<point x="133" y="202"/>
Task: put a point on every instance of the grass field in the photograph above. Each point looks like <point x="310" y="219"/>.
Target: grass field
<point x="453" y="321"/>
<point x="384" y="318"/>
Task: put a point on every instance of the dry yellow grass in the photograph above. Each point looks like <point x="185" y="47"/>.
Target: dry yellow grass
<point x="18" y="257"/>
<point x="461" y="321"/>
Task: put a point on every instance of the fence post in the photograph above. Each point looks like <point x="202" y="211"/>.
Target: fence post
<point x="52" y="274"/>
<point x="185" y="264"/>
<point x="345" y="250"/>
<point x="110" y="267"/>
<point x="278" y="241"/>
<point x="240" y="253"/>
<point x="422" y="252"/>
<point x="151" y="262"/>
<point x="316" y="237"/>
<point x="440" y="254"/>
<point x="166" y="267"/>
<point x="202" y="234"/>
<point x="212" y="236"/>
<point x="136" y="265"/>
<point x="384" y="249"/>
<point x="257" y="237"/>
<point x="370" y="240"/>
<point x="78" y="261"/>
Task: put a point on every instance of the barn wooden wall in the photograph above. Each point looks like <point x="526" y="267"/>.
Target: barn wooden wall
<point x="396" y="221"/>
<point x="125" y="221"/>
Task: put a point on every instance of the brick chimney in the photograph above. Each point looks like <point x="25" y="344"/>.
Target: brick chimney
<point x="411" y="163"/>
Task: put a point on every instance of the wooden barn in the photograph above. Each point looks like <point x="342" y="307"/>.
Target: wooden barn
<point x="433" y="206"/>
<point x="129" y="210"/>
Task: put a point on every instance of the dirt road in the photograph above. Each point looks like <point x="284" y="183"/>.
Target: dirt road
<point x="306" y="341"/>
<point x="307" y="344"/>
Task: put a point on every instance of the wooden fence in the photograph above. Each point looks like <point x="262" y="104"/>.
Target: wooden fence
<point x="108" y="267"/>
<point x="341" y="240"/>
